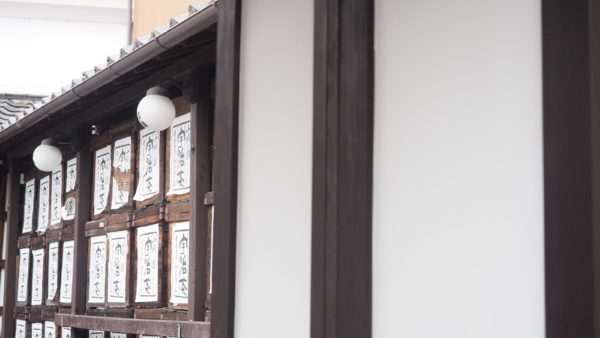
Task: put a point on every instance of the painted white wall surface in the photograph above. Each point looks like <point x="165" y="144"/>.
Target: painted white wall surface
<point x="45" y="45"/>
<point x="458" y="186"/>
<point x="275" y="171"/>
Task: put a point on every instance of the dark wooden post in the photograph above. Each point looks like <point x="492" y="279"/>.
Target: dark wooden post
<point x="10" y="274"/>
<point x="342" y="169"/>
<point x="82" y="215"/>
<point x="225" y="167"/>
<point x="200" y="178"/>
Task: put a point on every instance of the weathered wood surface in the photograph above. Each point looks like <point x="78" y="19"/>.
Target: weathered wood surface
<point x="136" y="326"/>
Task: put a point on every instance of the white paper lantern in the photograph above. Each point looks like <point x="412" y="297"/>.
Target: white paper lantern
<point x="47" y="157"/>
<point x="156" y="111"/>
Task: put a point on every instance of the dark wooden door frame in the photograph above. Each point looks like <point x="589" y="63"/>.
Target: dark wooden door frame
<point x="571" y="85"/>
<point x="225" y="167"/>
<point x="342" y="169"/>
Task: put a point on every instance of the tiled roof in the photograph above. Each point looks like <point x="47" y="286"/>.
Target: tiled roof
<point x="15" y="107"/>
<point x="13" y="110"/>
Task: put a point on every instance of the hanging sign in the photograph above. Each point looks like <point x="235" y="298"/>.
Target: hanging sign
<point x="52" y="270"/>
<point x="149" y="165"/>
<point x="102" y="179"/>
<point x="180" y="160"/>
<point x="71" y="174"/>
<point x="147" y="263"/>
<point x="66" y="272"/>
<point x="56" y="201"/>
<point x="37" y="280"/>
<point x="23" y="288"/>
<point x="117" y="265"/>
<point x="180" y="234"/>
<point x="121" y="185"/>
<point x="44" y="205"/>
<point x="97" y="269"/>
<point x="29" y="203"/>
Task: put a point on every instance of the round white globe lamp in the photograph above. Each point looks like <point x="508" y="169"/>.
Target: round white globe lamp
<point x="47" y="156"/>
<point x="156" y="111"/>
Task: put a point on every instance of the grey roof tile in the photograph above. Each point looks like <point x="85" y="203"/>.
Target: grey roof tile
<point x="112" y="59"/>
<point x="176" y="20"/>
<point x="160" y="30"/>
<point x="142" y="40"/>
<point x="126" y="50"/>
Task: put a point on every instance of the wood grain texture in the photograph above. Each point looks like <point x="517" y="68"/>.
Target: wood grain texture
<point x="10" y="287"/>
<point x="226" y="167"/>
<point x="201" y="118"/>
<point x="82" y="215"/>
<point x="571" y="100"/>
<point x="136" y="326"/>
<point x="342" y="169"/>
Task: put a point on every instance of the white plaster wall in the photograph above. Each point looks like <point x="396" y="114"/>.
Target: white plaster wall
<point x="458" y="186"/>
<point x="275" y="156"/>
<point x="38" y="56"/>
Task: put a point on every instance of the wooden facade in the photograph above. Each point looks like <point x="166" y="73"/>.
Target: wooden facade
<point x="108" y="245"/>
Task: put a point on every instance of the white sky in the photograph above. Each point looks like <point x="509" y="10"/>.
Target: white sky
<point x="45" y="45"/>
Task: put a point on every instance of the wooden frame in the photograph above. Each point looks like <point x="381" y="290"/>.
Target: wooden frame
<point x="342" y="169"/>
<point x="10" y="287"/>
<point x="225" y="168"/>
<point x="571" y="100"/>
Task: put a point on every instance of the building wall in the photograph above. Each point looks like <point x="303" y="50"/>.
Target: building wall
<point x="148" y="14"/>
<point x="458" y="185"/>
<point x="275" y="156"/>
<point x="49" y="44"/>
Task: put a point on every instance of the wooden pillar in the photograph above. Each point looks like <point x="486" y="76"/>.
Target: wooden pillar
<point x="342" y="169"/>
<point x="82" y="215"/>
<point x="571" y="101"/>
<point x="225" y="167"/>
<point x="200" y="179"/>
<point x="10" y="274"/>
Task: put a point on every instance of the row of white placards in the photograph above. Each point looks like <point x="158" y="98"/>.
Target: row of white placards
<point x="50" y="205"/>
<point x="109" y="280"/>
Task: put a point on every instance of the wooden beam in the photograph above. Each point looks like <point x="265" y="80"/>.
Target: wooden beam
<point x="10" y="274"/>
<point x="571" y="101"/>
<point x="82" y="215"/>
<point x="342" y="169"/>
<point x="225" y="168"/>
<point x="200" y="174"/>
<point x="135" y="326"/>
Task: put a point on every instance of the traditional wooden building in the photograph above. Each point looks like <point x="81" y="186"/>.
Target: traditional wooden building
<point x="322" y="169"/>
